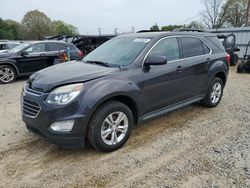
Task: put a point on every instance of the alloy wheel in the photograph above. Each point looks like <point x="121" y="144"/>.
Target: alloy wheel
<point x="114" y="128"/>
<point x="216" y="93"/>
<point x="6" y="75"/>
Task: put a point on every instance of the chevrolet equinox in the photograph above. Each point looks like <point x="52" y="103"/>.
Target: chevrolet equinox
<point x="125" y="81"/>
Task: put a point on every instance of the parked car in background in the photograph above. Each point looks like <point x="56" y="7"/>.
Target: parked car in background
<point x="127" y="80"/>
<point x="30" y="57"/>
<point x="7" y="45"/>
<point x="85" y="43"/>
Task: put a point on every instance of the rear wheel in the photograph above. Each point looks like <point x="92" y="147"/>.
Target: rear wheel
<point x="110" y="127"/>
<point x="7" y="74"/>
<point x="214" y="93"/>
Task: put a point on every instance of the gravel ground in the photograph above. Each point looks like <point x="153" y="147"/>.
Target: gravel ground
<point x="191" y="147"/>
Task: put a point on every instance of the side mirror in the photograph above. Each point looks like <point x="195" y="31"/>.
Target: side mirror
<point x="155" y="60"/>
<point x="24" y="53"/>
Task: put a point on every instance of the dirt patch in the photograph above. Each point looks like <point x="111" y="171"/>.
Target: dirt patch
<point x="191" y="147"/>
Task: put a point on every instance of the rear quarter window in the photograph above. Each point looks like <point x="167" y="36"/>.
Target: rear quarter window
<point x="216" y="42"/>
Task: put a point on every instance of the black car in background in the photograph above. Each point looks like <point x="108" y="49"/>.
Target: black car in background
<point x="30" y="57"/>
<point x="127" y="80"/>
<point x="85" y="43"/>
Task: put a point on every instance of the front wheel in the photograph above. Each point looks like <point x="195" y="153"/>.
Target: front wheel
<point x="214" y="93"/>
<point x="110" y="127"/>
<point x="7" y="74"/>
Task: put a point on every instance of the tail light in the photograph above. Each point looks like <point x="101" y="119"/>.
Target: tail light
<point x="228" y="59"/>
<point x="81" y="54"/>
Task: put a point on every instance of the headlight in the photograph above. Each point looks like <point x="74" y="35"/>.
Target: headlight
<point x="65" y="94"/>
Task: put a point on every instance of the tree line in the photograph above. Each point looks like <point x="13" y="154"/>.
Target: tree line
<point x="35" y="25"/>
<point x="216" y="14"/>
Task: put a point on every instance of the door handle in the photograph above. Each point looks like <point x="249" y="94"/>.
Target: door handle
<point x="42" y="54"/>
<point x="179" y="69"/>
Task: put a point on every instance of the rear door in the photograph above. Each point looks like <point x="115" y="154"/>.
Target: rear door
<point x="197" y="58"/>
<point x="35" y="60"/>
<point x="54" y="51"/>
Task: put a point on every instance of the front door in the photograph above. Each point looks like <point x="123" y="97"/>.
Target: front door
<point x="35" y="59"/>
<point x="164" y="84"/>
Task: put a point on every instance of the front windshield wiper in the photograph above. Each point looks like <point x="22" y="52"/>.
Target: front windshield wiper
<point x="102" y="63"/>
<point x="98" y="63"/>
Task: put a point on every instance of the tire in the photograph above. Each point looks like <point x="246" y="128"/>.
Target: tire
<point x="7" y="74"/>
<point x="101" y="131"/>
<point x="214" y="93"/>
<point x="234" y="60"/>
<point x="240" y="68"/>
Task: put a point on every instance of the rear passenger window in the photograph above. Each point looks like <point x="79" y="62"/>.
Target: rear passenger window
<point x="168" y="47"/>
<point x="192" y="47"/>
<point x="56" y="47"/>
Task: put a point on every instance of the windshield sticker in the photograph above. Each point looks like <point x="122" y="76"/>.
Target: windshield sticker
<point x="142" y="40"/>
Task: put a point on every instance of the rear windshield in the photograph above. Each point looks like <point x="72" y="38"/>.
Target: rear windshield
<point x="215" y="41"/>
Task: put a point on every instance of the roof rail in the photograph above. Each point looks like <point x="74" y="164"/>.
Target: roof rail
<point x="189" y="30"/>
<point x="147" y="31"/>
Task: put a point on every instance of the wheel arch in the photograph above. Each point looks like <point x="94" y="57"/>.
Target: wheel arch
<point x="222" y="75"/>
<point x="11" y="65"/>
<point x="125" y="99"/>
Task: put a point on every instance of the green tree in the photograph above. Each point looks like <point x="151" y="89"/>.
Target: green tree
<point x="5" y="30"/>
<point x="155" y="27"/>
<point x="233" y="13"/>
<point x="62" y="28"/>
<point x="16" y="29"/>
<point x="195" y="25"/>
<point x="38" y="25"/>
<point x="171" y="27"/>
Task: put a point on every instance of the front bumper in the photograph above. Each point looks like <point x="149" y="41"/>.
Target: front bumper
<point x="40" y="124"/>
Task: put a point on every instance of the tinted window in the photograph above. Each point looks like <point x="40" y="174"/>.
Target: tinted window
<point x="56" y="46"/>
<point x="168" y="48"/>
<point x="192" y="47"/>
<point x="36" y="48"/>
<point x="216" y="42"/>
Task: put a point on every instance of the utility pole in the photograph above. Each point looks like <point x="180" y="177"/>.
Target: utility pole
<point x="133" y="29"/>
<point x="116" y="31"/>
<point x="100" y="31"/>
<point x="247" y="13"/>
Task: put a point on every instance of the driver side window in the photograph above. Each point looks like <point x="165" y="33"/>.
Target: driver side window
<point x="167" y="47"/>
<point x="36" y="48"/>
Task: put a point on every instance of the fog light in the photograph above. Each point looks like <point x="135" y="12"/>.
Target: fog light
<point x="63" y="126"/>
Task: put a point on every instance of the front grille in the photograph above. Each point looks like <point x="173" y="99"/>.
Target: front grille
<point x="30" y="108"/>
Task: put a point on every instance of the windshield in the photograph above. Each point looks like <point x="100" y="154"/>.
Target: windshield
<point x="118" y="51"/>
<point x="18" y="48"/>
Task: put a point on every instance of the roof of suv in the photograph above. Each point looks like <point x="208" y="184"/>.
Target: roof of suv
<point x="166" y="34"/>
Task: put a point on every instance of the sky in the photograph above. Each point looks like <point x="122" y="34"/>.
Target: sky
<point x="89" y="15"/>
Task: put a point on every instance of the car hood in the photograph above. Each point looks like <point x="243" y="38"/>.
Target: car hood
<point x="65" y="73"/>
<point x="4" y="55"/>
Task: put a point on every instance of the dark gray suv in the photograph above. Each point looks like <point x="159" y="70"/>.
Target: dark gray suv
<point x="127" y="80"/>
